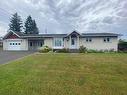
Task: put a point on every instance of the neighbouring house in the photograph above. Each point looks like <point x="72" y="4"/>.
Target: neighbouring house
<point x="18" y="41"/>
<point x="122" y="46"/>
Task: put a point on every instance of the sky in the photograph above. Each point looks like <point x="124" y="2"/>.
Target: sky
<point x="64" y="16"/>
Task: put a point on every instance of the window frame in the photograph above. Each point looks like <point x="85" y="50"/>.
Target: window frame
<point x="58" y="44"/>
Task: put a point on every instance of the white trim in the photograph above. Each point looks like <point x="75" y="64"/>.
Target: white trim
<point x="72" y="32"/>
<point x="15" y="34"/>
<point x="58" y="47"/>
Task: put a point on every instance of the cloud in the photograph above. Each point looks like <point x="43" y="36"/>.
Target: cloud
<point x="3" y="31"/>
<point x="63" y="16"/>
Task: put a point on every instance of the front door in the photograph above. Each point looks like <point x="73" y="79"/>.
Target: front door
<point x="73" y="43"/>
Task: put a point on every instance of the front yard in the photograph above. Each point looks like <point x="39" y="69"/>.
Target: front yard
<point x="65" y="74"/>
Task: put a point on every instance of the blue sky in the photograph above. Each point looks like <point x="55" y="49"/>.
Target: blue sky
<point x="64" y="16"/>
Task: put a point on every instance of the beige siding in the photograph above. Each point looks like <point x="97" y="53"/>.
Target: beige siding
<point x="66" y="43"/>
<point x="99" y="44"/>
<point x="5" y="45"/>
<point x="48" y="42"/>
<point x="23" y="46"/>
<point x="96" y="44"/>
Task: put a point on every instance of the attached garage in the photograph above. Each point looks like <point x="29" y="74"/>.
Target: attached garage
<point x="13" y="42"/>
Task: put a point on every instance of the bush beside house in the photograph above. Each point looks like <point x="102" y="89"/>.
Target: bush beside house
<point x="82" y="49"/>
<point x="44" y="49"/>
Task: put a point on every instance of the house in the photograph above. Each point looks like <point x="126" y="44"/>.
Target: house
<point x="18" y="41"/>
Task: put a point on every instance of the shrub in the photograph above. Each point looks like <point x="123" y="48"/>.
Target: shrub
<point x="82" y="49"/>
<point x="92" y="51"/>
<point x="120" y="51"/>
<point x="95" y="51"/>
<point x="44" y="49"/>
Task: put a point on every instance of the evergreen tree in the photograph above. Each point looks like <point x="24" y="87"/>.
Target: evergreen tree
<point x="35" y="29"/>
<point x="15" y="23"/>
<point x="30" y="26"/>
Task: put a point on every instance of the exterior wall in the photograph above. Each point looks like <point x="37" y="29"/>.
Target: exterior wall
<point x="66" y="42"/>
<point x="5" y="45"/>
<point x="98" y="43"/>
<point x="23" y="46"/>
<point x="48" y="42"/>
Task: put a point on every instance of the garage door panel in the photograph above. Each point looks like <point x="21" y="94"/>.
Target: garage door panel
<point x="14" y="45"/>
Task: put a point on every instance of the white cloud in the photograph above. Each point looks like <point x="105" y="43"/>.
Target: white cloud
<point x="62" y="16"/>
<point x="3" y="31"/>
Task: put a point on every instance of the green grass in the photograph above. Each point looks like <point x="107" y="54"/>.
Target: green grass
<point x="65" y="74"/>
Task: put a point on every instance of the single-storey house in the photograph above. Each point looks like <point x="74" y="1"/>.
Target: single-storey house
<point x="18" y="41"/>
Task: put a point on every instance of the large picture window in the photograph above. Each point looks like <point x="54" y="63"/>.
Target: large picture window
<point x="58" y="42"/>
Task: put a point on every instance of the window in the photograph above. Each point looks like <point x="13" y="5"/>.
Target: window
<point x="10" y="43"/>
<point x="13" y="43"/>
<point x="19" y="44"/>
<point x="88" y="39"/>
<point x="106" y="39"/>
<point x="41" y="43"/>
<point x="31" y="44"/>
<point x="58" y="42"/>
<point x="16" y="43"/>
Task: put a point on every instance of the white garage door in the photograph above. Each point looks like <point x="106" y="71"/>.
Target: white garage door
<point x="14" y="45"/>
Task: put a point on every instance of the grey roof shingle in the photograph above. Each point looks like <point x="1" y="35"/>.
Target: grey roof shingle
<point x="100" y="34"/>
<point x="23" y="35"/>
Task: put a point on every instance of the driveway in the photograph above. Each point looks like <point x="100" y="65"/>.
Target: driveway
<point x="6" y="56"/>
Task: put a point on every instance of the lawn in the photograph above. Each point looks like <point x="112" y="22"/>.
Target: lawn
<point x="65" y="74"/>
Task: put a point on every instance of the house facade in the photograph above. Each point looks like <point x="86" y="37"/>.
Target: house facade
<point x="17" y="41"/>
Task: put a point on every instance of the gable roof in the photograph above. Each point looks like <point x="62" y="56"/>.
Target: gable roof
<point x="74" y="32"/>
<point x="9" y="33"/>
<point x="23" y="35"/>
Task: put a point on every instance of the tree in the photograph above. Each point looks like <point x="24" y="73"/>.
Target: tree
<point x="30" y="26"/>
<point x="35" y="29"/>
<point x="15" y="23"/>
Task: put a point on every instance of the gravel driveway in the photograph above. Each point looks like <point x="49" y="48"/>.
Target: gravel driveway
<point x="6" y="56"/>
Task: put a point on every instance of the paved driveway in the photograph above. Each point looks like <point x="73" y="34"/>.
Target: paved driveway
<point x="6" y="56"/>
